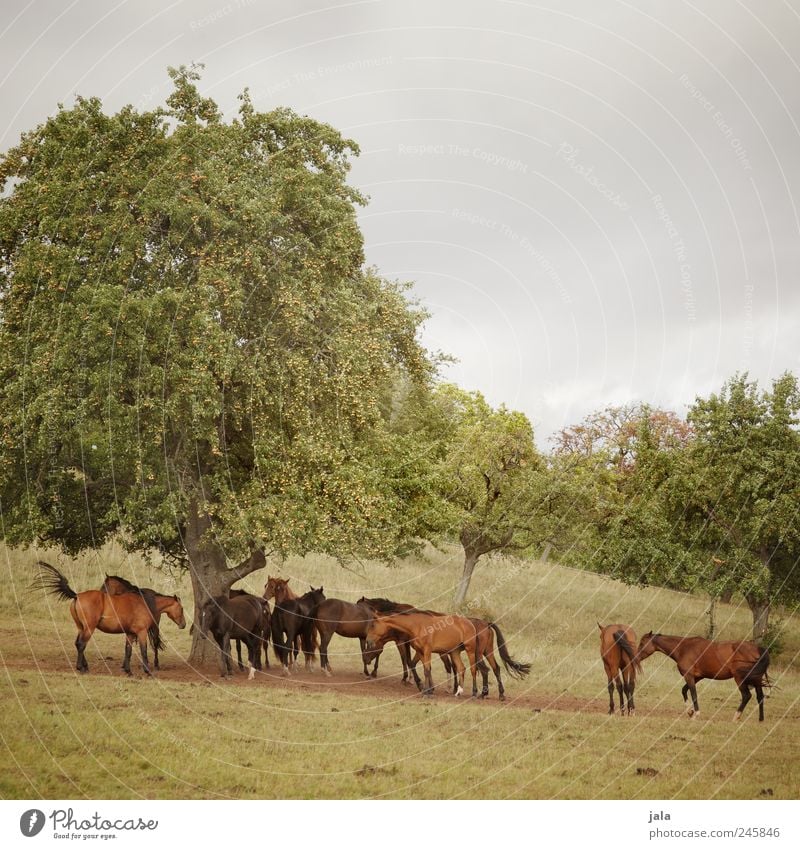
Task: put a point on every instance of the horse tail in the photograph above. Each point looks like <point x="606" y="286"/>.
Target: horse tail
<point x="627" y="649"/>
<point x="514" y="668"/>
<point x="52" y="581"/>
<point x="758" y="672"/>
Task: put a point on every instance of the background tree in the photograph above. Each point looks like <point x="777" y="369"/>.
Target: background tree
<point x="191" y="351"/>
<point x="488" y="472"/>
<point x="739" y="488"/>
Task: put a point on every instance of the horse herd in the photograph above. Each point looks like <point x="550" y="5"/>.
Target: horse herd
<point x="308" y="622"/>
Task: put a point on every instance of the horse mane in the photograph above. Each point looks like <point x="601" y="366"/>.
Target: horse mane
<point x="382" y="605"/>
<point x="131" y="588"/>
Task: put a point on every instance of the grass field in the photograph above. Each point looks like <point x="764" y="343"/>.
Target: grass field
<point x="188" y="734"/>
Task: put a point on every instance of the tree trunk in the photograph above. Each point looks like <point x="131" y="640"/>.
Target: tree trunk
<point x="470" y="559"/>
<point x="711" y="630"/>
<point x="759" y="607"/>
<point x="210" y="577"/>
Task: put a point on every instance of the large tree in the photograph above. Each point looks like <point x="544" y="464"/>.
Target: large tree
<point x="192" y="354"/>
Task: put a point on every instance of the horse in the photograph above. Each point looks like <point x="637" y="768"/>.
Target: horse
<point x="334" y="616"/>
<point x="115" y="585"/>
<point x="621" y="663"/>
<point x="240" y="617"/>
<point x="126" y="614"/>
<point x="429" y="633"/>
<point x="698" y="658"/>
<point x="383" y="606"/>
<point x="279" y="588"/>
<point x="295" y="617"/>
<point x="265" y="636"/>
<point x="485" y="633"/>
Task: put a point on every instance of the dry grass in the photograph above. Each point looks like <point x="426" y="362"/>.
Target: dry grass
<point x="187" y="735"/>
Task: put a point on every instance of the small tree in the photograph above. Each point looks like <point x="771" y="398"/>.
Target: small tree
<point x="488" y="468"/>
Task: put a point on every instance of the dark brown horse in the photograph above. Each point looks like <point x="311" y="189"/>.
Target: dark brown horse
<point x="238" y="617"/>
<point x="698" y="658"/>
<point x="621" y="663"/>
<point x="113" y="614"/>
<point x="265" y="636"/>
<point x="293" y="618"/>
<point x="428" y="634"/>
<point x="278" y="588"/>
<point x="334" y="616"/>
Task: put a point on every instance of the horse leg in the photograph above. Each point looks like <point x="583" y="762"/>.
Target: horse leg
<point x="126" y="660"/>
<point x="620" y="692"/>
<point x="484" y="670"/>
<point x="239" y="655"/>
<point x="690" y="686"/>
<point x="325" y="638"/>
<point x="760" y="699"/>
<point x="221" y="644"/>
<point x="458" y="672"/>
<point x="375" y="665"/>
<point x="405" y="659"/>
<point x="143" y="651"/>
<point x="426" y="665"/>
<point x="412" y="665"/>
<point x="496" y="669"/>
<point x="744" y="689"/>
<point x="254" y="662"/>
<point x="473" y="658"/>
<point x="630" y="685"/>
<point x="80" y="644"/>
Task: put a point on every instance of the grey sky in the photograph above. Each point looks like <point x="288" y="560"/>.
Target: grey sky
<point x="598" y="201"/>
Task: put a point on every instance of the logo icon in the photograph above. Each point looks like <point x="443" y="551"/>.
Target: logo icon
<point x="31" y="822"/>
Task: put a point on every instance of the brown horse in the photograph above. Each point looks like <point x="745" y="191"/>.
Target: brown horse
<point x="621" y="663"/>
<point x="294" y="617"/>
<point x="113" y="614"/>
<point x="115" y="585"/>
<point x="307" y="640"/>
<point x="384" y="606"/>
<point x="485" y="633"/>
<point x="699" y="658"/>
<point x="429" y="633"/>
<point x="266" y="622"/>
<point x="335" y="616"/>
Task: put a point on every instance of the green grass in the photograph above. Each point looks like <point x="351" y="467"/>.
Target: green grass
<point x="187" y="734"/>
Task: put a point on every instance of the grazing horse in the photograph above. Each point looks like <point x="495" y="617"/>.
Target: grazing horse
<point x="294" y="617"/>
<point x="115" y="585"/>
<point x="430" y="633"/>
<point x="621" y="663"/>
<point x="240" y="617"/>
<point x="699" y="658"/>
<point x="113" y="614"/>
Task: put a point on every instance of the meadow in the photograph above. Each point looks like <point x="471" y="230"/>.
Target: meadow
<point x="189" y="734"/>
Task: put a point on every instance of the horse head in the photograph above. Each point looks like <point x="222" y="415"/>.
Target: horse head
<point x="377" y="633"/>
<point x="646" y="646"/>
<point x="175" y="612"/>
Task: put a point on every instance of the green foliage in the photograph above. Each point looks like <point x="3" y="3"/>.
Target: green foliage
<point x="188" y="330"/>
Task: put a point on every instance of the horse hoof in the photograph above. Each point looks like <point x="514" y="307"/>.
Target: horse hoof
<point x="502" y="697"/>
<point x="327" y="672"/>
<point x="737" y="716"/>
<point x="251" y="675"/>
<point x="690" y="712"/>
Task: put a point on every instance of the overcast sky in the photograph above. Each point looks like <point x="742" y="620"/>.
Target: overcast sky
<point x="597" y="201"/>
